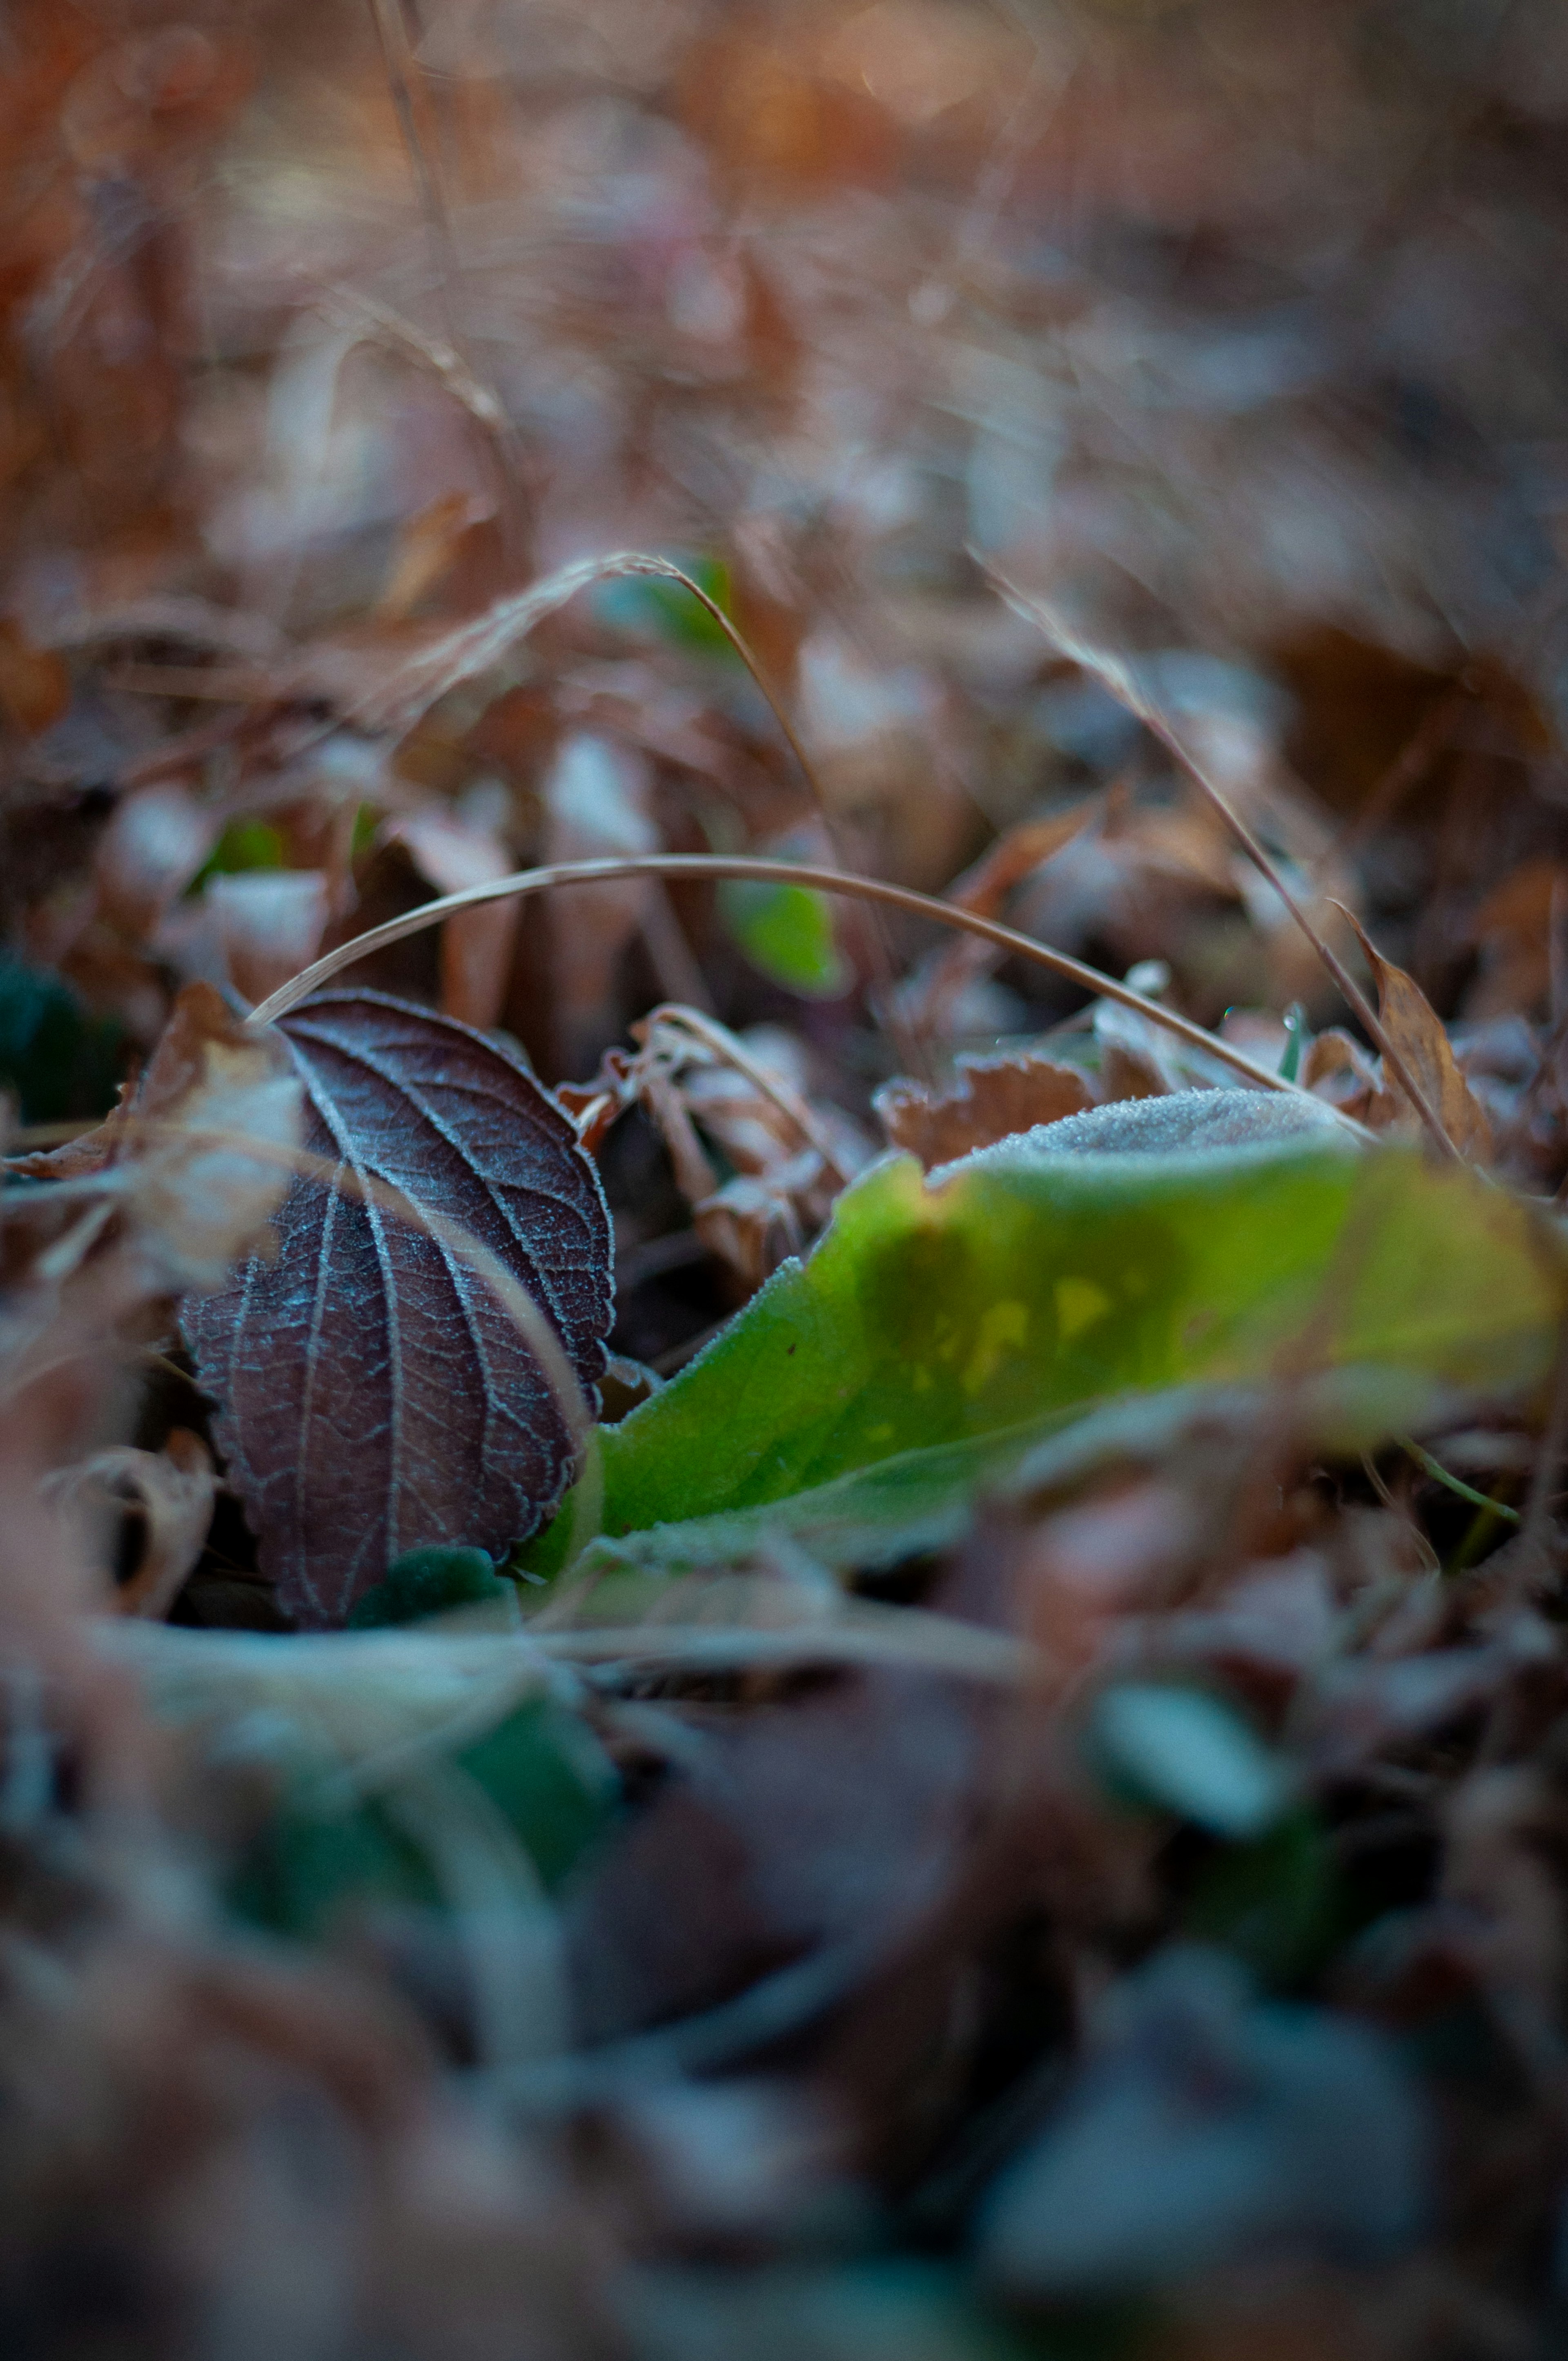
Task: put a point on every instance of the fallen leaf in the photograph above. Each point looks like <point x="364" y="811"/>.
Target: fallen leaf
<point x="475" y="945"/>
<point x="596" y="798"/>
<point x="269" y="924"/>
<point x="931" y="993"/>
<point x="426" y="545"/>
<point x="177" y="1146"/>
<point x="1338" y="1069"/>
<point x="1416" y="1031"/>
<point x="173" y="1489"/>
<point x="1512" y="932"/>
<point x="374" y="1395"/>
<point x="152" y="847"/>
<point x="1204" y="1236"/>
<point x="991" y="1099"/>
<point x="35" y="683"/>
<point x="1203" y="2123"/>
<point x="810" y="1819"/>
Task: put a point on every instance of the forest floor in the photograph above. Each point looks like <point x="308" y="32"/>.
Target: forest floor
<point x="784" y="1051"/>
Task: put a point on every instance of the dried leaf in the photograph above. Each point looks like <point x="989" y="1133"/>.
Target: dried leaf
<point x="269" y="924"/>
<point x="1512" y="931"/>
<point x="174" y="1490"/>
<point x="596" y="798"/>
<point x="426" y="545"/>
<point x="35" y="685"/>
<point x="150" y="853"/>
<point x="1337" y="1069"/>
<point x="1203" y="2122"/>
<point x="475" y="945"/>
<point x="1416" y="1031"/>
<point x="154" y="845"/>
<point x="374" y="1394"/>
<point x="994" y="1097"/>
<point x="177" y="1145"/>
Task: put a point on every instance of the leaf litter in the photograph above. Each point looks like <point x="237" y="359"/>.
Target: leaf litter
<point x="632" y="1727"/>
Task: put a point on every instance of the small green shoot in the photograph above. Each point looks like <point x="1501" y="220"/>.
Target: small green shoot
<point x="1441" y="1474"/>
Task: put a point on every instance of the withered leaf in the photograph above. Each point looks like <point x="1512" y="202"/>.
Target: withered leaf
<point x="373" y="1393"/>
<point x="1416" y="1031"/>
<point x="200" y="1149"/>
<point x="991" y="1099"/>
<point x="173" y="1490"/>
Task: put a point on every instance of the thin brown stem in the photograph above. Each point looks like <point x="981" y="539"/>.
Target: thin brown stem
<point x="410" y="104"/>
<point x="1118" y="678"/>
<point x="787" y="873"/>
<point x="723" y="1044"/>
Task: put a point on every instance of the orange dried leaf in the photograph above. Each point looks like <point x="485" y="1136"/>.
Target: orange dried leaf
<point x="994" y="1097"/>
<point x="35" y="685"/>
<point x="1416" y="1032"/>
<point x="174" y="1490"/>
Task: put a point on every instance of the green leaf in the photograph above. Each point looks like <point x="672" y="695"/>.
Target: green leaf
<point x="1021" y="1286"/>
<point x="387" y="1754"/>
<point x="244" y="844"/>
<point x="1176" y="1747"/>
<point x="432" y="1581"/>
<point x="920" y="1500"/>
<point x="1278" y="1902"/>
<point x="787" y="932"/>
<point x="326" y="1854"/>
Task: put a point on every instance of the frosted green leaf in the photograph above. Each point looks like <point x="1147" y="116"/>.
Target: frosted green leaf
<point x="1020" y="1287"/>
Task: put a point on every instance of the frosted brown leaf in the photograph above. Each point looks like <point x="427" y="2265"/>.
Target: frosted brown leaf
<point x="373" y="1393"/>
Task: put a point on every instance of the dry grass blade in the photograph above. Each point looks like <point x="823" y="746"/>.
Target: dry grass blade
<point x="1118" y="678"/>
<point x="769" y="873"/>
<point x="472" y="647"/>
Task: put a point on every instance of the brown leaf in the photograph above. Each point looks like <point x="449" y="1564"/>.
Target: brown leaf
<point x="597" y="801"/>
<point x="426" y="545"/>
<point x="373" y="1393"/>
<point x="1416" y="1032"/>
<point x="151" y="848"/>
<point x="35" y="685"/>
<point x="1512" y="931"/>
<point x="993" y="1098"/>
<point x="199" y="1201"/>
<point x="475" y="945"/>
<point x="1336" y="1067"/>
<point x="269" y="924"/>
<point x="174" y="1490"/>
